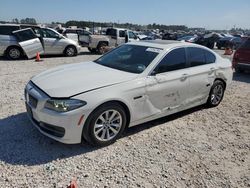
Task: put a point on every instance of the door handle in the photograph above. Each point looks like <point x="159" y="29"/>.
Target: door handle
<point x="184" y="77"/>
<point x="212" y="69"/>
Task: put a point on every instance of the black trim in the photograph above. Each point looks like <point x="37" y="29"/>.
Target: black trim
<point x="137" y="97"/>
<point x="50" y="129"/>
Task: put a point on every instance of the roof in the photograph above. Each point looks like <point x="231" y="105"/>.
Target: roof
<point x="164" y="44"/>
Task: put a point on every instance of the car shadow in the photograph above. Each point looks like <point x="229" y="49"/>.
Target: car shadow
<point x="242" y="77"/>
<point x="138" y="128"/>
<point x="23" y="144"/>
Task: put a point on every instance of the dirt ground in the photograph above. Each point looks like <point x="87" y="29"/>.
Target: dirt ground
<point x="200" y="147"/>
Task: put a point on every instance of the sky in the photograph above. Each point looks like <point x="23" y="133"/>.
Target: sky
<point x="210" y="14"/>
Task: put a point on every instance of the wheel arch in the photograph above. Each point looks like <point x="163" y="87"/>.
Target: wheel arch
<point x="70" y="45"/>
<point x="114" y="101"/>
<point x="105" y="42"/>
<point x="222" y="80"/>
<point x="16" y="46"/>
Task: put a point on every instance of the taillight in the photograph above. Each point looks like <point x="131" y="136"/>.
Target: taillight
<point x="235" y="58"/>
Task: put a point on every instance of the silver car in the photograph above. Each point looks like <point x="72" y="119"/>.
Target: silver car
<point x="17" y="41"/>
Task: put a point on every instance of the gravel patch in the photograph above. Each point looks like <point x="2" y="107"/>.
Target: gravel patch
<point x="200" y="147"/>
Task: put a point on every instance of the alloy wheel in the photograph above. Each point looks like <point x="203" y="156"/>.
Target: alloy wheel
<point x="217" y="94"/>
<point x="108" y="125"/>
<point x="14" y="53"/>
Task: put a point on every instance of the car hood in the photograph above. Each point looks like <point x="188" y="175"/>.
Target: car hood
<point x="70" y="80"/>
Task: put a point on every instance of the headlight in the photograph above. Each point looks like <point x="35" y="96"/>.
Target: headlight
<point x="64" y="105"/>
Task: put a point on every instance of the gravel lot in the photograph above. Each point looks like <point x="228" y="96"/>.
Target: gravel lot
<point x="197" y="148"/>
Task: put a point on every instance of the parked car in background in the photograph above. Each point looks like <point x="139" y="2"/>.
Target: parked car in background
<point x="232" y="42"/>
<point x="113" y="38"/>
<point x="17" y="41"/>
<point x="134" y="83"/>
<point x="191" y="38"/>
<point x="241" y="58"/>
<point x="79" y="35"/>
<point x="169" y="36"/>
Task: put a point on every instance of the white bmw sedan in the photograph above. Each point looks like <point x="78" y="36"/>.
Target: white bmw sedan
<point x="132" y="84"/>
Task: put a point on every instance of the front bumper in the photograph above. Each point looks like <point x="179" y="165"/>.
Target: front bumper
<point x="62" y="127"/>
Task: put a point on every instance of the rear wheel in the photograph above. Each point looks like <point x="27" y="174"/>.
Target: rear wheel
<point x="14" y="53"/>
<point x="70" y="51"/>
<point x="216" y="93"/>
<point x="106" y="125"/>
<point x="102" y="48"/>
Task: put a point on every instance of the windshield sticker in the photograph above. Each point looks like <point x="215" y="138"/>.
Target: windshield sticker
<point x="157" y="50"/>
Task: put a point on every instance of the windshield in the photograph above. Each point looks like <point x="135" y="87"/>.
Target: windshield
<point x="129" y="58"/>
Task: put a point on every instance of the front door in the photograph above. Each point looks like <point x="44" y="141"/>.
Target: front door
<point x="29" y="42"/>
<point x="167" y="87"/>
<point x="53" y="42"/>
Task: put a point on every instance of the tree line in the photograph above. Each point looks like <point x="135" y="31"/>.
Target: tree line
<point x="91" y="24"/>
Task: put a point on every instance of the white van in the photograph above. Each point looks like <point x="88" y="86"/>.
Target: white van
<point x="17" y="41"/>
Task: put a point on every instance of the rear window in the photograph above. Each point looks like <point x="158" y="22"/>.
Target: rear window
<point x="7" y="30"/>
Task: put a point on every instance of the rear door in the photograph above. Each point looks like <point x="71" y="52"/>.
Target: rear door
<point x="201" y="73"/>
<point x="29" y="42"/>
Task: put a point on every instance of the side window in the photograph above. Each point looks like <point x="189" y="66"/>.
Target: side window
<point x="38" y="32"/>
<point x="7" y="30"/>
<point x="131" y="35"/>
<point x="26" y="34"/>
<point x="174" y="60"/>
<point x="49" y="34"/>
<point x="121" y="33"/>
<point x="210" y="58"/>
<point x="196" y="56"/>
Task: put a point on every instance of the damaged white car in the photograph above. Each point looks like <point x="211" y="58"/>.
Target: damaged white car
<point x="132" y="84"/>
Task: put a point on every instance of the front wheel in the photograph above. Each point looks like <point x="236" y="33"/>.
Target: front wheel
<point x="70" y="51"/>
<point x="216" y="94"/>
<point x="106" y="125"/>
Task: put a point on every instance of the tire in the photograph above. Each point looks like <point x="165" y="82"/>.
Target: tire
<point x="219" y="47"/>
<point x="100" y="130"/>
<point x="101" y="47"/>
<point x="70" y="51"/>
<point x="14" y="53"/>
<point x="216" y="94"/>
<point x="92" y="50"/>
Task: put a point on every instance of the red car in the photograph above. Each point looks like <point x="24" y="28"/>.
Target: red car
<point x="241" y="59"/>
